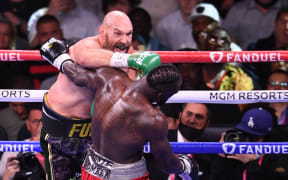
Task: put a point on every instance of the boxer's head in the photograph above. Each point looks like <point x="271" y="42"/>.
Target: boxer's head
<point x="115" y="33"/>
<point x="166" y="80"/>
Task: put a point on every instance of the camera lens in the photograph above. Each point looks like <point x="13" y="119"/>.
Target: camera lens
<point x="232" y="136"/>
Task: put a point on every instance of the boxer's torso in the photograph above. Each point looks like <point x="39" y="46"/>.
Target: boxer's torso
<point x="70" y="100"/>
<point x="122" y="120"/>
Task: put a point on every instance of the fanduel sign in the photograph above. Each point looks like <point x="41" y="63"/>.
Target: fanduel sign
<point x="10" y="57"/>
<point x="245" y="57"/>
<point x="232" y="148"/>
<point x="17" y="148"/>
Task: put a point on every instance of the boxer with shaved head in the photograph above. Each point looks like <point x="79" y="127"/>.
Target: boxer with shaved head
<point x="66" y="107"/>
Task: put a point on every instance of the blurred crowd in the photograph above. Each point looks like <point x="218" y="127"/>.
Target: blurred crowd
<point x="174" y="25"/>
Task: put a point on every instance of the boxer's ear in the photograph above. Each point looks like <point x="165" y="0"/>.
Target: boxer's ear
<point x="102" y="32"/>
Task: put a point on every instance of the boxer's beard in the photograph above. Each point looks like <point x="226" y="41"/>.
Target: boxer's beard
<point x="266" y="5"/>
<point x="112" y="47"/>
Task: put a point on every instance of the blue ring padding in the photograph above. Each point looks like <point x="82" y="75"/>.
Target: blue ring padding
<point x="230" y="148"/>
<point x="178" y="148"/>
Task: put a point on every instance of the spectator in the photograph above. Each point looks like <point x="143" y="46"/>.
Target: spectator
<point x="278" y="80"/>
<point x="254" y="20"/>
<point x="202" y="15"/>
<point x="8" y="41"/>
<point x="28" y="130"/>
<point x="14" y="116"/>
<point x="142" y="27"/>
<point x="193" y="118"/>
<point x="18" y="12"/>
<point x="278" y="40"/>
<point x="7" y="34"/>
<point x="222" y="76"/>
<point x="10" y="168"/>
<point x="48" y="26"/>
<point x="255" y="125"/>
<point x="69" y="15"/>
<point x="174" y="30"/>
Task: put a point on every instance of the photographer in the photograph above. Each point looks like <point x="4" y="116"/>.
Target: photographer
<point x="25" y="166"/>
<point x="255" y="126"/>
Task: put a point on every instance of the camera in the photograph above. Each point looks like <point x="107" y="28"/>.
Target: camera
<point x="30" y="168"/>
<point x="235" y="135"/>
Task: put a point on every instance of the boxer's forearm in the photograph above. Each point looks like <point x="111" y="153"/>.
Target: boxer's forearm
<point x="166" y="159"/>
<point x="76" y="73"/>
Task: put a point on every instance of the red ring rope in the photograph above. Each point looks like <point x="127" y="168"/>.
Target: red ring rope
<point x="176" y="56"/>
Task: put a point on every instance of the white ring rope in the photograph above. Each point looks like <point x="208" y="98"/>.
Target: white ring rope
<point x="217" y="97"/>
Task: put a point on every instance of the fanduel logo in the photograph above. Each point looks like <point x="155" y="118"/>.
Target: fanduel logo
<point x="242" y="57"/>
<point x="228" y="148"/>
<point x="216" y="56"/>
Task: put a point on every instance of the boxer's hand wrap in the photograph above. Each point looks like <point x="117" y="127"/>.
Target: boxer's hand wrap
<point x="190" y="168"/>
<point x="55" y="52"/>
<point x="144" y="62"/>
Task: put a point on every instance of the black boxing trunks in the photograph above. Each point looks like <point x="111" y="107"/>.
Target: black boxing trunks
<point x="64" y="142"/>
<point x="98" y="167"/>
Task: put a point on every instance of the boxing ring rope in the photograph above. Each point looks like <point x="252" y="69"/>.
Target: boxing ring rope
<point x="176" y="56"/>
<point x="227" y="97"/>
<point x="179" y="148"/>
<point x="231" y="97"/>
<point x="214" y="96"/>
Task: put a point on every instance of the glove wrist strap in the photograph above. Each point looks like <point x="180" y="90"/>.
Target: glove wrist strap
<point x="186" y="166"/>
<point x="64" y="62"/>
<point x="119" y="60"/>
<point x="60" y="59"/>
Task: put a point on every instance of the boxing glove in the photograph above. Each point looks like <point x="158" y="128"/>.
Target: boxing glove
<point x="55" y="52"/>
<point x="144" y="62"/>
<point x="190" y="168"/>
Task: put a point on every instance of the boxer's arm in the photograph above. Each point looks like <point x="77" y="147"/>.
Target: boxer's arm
<point x="183" y="165"/>
<point x="88" y="53"/>
<point x="155" y="130"/>
<point x="164" y="156"/>
<point x="80" y="76"/>
<point x="168" y="162"/>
